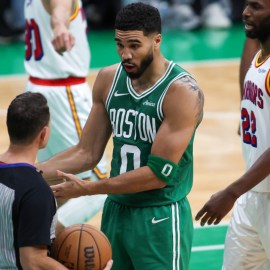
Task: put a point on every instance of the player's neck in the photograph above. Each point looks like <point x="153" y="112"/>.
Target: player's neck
<point x="265" y="50"/>
<point x="154" y="72"/>
<point x="19" y="154"/>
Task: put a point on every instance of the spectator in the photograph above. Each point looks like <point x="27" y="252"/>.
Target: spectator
<point x="12" y="22"/>
<point x="179" y="14"/>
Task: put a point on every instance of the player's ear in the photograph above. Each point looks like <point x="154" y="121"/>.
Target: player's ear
<point x="44" y="136"/>
<point x="157" y="41"/>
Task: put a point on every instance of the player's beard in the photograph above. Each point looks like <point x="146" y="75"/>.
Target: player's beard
<point x="261" y="32"/>
<point x="143" y="66"/>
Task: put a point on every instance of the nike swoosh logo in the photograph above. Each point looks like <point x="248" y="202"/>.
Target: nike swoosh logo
<point x="116" y="94"/>
<point x="155" y="221"/>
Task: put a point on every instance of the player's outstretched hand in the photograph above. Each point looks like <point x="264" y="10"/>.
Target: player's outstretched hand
<point x="216" y="208"/>
<point x="71" y="187"/>
<point x="109" y="265"/>
<point x="62" y="40"/>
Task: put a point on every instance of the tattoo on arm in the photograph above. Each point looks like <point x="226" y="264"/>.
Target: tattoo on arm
<point x="193" y="86"/>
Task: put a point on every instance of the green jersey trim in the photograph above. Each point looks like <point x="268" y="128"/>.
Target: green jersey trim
<point x="135" y="95"/>
<point x="115" y="80"/>
<point x="160" y="102"/>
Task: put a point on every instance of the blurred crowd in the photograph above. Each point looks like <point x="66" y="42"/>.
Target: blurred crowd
<point x="176" y="14"/>
<point x="184" y="15"/>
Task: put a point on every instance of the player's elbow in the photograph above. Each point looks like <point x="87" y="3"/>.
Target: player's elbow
<point x="157" y="183"/>
<point x="90" y="160"/>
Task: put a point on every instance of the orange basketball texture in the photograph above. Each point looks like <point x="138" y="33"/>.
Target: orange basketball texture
<point x="82" y="247"/>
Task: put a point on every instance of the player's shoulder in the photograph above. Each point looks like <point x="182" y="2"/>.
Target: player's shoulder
<point x="104" y="81"/>
<point x="185" y="85"/>
<point x="185" y="90"/>
<point x="108" y="71"/>
<point x="106" y="74"/>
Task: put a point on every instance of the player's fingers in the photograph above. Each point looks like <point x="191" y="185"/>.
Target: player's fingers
<point x="68" y="177"/>
<point x="211" y="220"/>
<point x="70" y="43"/>
<point x="200" y="213"/>
<point x="60" y="44"/>
<point x="55" y="188"/>
<point x="218" y="219"/>
<point x="60" y="173"/>
<point x="56" y="44"/>
<point x="65" y="42"/>
<point x="65" y="176"/>
<point x="109" y="265"/>
<point x="58" y="191"/>
<point x="205" y="219"/>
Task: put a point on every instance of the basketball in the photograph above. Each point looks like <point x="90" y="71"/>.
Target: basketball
<point x="82" y="247"/>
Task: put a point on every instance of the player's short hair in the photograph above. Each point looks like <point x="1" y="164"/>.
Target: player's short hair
<point x="27" y="114"/>
<point x="138" y="16"/>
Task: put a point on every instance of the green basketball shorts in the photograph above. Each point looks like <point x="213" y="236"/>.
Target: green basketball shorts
<point x="149" y="238"/>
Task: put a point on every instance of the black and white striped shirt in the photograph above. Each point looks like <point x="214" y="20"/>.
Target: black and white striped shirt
<point x="27" y="212"/>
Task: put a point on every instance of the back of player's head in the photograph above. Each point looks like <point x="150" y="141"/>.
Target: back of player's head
<point x="138" y="16"/>
<point x="27" y="115"/>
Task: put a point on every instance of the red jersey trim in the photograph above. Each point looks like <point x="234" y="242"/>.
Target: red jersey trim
<point x="57" y="82"/>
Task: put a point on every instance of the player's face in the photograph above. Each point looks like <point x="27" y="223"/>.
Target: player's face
<point x="135" y="50"/>
<point x="256" y="17"/>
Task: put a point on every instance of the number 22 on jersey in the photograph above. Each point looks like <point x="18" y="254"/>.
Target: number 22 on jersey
<point x="249" y="127"/>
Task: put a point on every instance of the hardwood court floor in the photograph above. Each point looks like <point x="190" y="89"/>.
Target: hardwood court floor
<point x="217" y="150"/>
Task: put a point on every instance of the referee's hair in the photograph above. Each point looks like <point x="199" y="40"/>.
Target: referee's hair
<point x="27" y="115"/>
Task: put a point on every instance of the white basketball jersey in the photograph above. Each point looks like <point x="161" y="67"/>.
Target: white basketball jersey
<point x="41" y="60"/>
<point x="255" y="115"/>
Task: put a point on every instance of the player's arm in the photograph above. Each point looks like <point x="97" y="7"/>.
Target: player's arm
<point x="60" y="12"/>
<point x="36" y="258"/>
<point x="183" y="111"/>
<point x="95" y="135"/>
<point x="182" y="107"/>
<point x="222" y="202"/>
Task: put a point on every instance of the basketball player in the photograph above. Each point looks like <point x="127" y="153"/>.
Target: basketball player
<point x="57" y="61"/>
<point x="152" y="108"/>
<point x="247" y="244"/>
<point x="27" y="203"/>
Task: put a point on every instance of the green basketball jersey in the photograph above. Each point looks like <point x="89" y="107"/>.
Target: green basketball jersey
<point x="135" y="120"/>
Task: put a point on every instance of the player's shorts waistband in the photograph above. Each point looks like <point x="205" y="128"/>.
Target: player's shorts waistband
<point x="58" y="82"/>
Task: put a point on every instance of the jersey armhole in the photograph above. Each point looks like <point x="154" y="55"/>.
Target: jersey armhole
<point x="76" y="11"/>
<point x="267" y="83"/>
